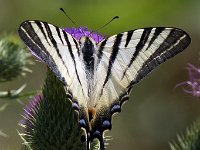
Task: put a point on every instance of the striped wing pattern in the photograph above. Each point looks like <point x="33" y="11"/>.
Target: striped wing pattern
<point x="59" y="50"/>
<point x="120" y="62"/>
<point x="128" y="57"/>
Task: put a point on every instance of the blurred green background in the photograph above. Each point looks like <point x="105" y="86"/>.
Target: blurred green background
<point x="156" y="111"/>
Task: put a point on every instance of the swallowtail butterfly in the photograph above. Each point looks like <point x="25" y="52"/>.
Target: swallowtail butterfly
<point x="98" y="76"/>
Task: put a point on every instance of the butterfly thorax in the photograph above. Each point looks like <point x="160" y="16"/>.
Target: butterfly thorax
<point x="87" y="50"/>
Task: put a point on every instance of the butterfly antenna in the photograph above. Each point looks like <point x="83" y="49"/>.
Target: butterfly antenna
<point x="68" y="16"/>
<point x="71" y="19"/>
<point x="116" y="17"/>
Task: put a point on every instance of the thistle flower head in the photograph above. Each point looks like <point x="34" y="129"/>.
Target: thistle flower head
<point x="50" y="121"/>
<point x="193" y="83"/>
<point x="77" y="33"/>
<point x="30" y="112"/>
<point x="13" y="60"/>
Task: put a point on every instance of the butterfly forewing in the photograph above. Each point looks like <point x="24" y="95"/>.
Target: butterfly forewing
<point x="59" y="50"/>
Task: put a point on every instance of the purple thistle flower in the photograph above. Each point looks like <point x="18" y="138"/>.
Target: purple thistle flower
<point x="193" y="83"/>
<point x="77" y="33"/>
<point x="30" y="112"/>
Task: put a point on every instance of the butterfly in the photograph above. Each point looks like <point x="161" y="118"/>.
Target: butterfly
<point x="98" y="76"/>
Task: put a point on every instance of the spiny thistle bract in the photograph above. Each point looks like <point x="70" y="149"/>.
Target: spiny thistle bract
<point x="190" y="140"/>
<point x="50" y="122"/>
<point x="13" y="60"/>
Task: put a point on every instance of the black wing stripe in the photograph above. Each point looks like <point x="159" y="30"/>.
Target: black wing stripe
<point x="157" y="32"/>
<point x="129" y="35"/>
<point x="59" y="35"/>
<point x="31" y="32"/>
<point x="113" y="56"/>
<point x="28" y="34"/>
<point x="53" y="41"/>
<point x="42" y="30"/>
<point x="100" y="53"/>
<point x="143" y="39"/>
<point x="173" y="37"/>
<point x="176" y="42"/>
<point x="72" y="55"/>
<point x="76" y="46"/>
<point x="140" y="45"/>
<point x="33" y="38"/>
